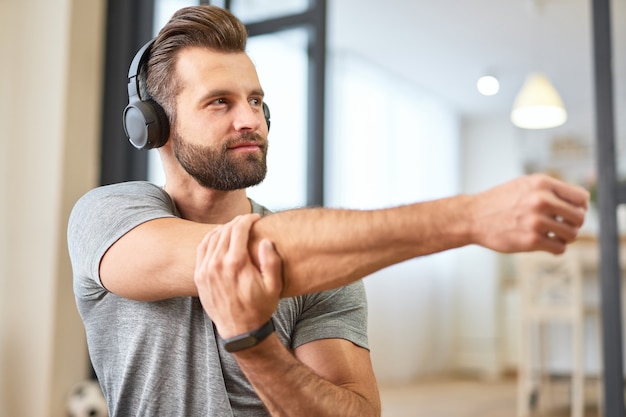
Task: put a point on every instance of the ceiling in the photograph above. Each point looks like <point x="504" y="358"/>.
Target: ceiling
<point x="444" y="46"/>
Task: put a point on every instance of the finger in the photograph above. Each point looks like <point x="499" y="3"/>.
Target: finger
<point x="203" y="248"/>
<point x="554" y="226"/>
<point x="553" y="245"/>
<point x="573" y="194"/>
<point x="546" y="240"/>
<point x="562" y="229"/>
<point x="204" y="258"/>
<point x="271" y="267"/>
<point x="240" y="233"/>
<point x="232" y="249"/>
<point x="221" y="241"/>
<point x="568" y="214"/>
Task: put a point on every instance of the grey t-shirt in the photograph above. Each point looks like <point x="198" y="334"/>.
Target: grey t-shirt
<point x="164" y="358"/>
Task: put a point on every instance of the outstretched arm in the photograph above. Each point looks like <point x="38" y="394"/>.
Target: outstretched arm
<point x="326" y="248"/>
<point x="335" y="247"/>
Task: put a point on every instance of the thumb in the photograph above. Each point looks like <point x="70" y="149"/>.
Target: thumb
<point x="271" y="267"/>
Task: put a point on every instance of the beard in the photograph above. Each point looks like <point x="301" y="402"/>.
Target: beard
<point x="214" y="167"/>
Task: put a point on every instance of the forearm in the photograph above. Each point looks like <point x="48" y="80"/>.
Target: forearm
<point x="323" y="249"/>
<point x="288" y="387"/>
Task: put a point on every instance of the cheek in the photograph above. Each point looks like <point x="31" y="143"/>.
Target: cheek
<point x="195" y="128"/>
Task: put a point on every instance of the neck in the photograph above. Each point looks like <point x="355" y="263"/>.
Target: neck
<point x="197" y="203"/>
<point x="205" y="205"/>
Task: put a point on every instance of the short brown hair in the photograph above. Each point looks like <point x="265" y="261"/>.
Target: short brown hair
<point x="206" y="26"/>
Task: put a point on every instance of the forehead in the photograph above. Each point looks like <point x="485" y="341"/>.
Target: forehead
<point x="197" y="66"/>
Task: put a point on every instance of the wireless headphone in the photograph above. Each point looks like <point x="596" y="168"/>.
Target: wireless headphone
<point x="145" y="122"/>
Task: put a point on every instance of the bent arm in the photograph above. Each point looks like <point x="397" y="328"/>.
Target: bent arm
<point x="321" y="248"/>
<point x="326" y="248"/>
<point x="328" y="377"/>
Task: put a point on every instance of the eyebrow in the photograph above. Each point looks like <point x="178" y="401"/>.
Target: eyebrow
<point x="224" y="92"/>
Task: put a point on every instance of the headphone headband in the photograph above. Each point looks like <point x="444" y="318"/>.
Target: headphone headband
<point x="135" y="67"/>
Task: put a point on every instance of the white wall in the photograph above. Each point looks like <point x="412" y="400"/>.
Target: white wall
<point x="391" y="143"/>
<point x="49" y="111"/>
<point x="491" y="155"/>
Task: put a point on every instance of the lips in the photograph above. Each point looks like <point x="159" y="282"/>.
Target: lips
<point x="245" y="145"/>
<point x="247" y="141"/>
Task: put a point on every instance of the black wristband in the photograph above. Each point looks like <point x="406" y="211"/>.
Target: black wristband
<point x="250" y="339"/>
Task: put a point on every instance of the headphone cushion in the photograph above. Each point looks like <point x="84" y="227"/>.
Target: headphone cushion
<point x="146" y="124"/>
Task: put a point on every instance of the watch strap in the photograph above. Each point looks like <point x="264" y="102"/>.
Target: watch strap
<point x="249" y="339"/>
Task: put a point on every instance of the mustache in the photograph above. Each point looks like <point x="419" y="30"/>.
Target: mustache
<point x="247" y="137"/>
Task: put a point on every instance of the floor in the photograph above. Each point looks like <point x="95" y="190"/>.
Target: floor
<point x="468" y="397"/>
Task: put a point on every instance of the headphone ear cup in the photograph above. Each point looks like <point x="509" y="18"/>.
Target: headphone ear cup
<point x="146" y="124"/>
<point x="164" y="124"/>
<point x="266" y="113"/>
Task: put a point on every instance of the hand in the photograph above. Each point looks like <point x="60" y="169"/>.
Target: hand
<point x="535" y="212"/>
<point x="238" y="296"/>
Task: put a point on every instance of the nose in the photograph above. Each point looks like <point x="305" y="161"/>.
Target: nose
<point x="247" y="117"/>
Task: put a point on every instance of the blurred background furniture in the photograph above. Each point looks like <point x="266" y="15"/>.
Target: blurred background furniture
<point x="552" y="290"/>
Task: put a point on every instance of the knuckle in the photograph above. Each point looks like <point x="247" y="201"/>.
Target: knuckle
<point x="538" y="180"/>
<point x="232" y="262"/>
<point x="538" y="202"/>
<point x="533" y="240"/>
<point x="535" y="224"/>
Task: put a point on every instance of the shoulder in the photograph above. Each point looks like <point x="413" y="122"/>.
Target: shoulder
<point x="130" y="189"/>
<point x="104" y="214"/>
<point x="131" y="193"/>
<point x="119" y="207"/>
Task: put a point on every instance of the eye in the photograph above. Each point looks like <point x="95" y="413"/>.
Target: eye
<point x="256" y="101"/>
<point x="218" y="102"/>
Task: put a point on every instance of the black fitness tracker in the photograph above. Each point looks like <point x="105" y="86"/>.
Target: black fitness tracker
<point x="249" y="339"/>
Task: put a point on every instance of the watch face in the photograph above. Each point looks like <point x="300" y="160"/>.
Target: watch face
<point x="244" y="343"/>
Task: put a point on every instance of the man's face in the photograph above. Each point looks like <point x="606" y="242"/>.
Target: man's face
<point x="220" y="134"/>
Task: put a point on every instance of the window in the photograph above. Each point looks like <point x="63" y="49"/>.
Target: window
<point x="258" y="10"/>
<point x="281" y="62"/>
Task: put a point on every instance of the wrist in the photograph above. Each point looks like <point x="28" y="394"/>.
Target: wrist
<point x="465" y="230"/>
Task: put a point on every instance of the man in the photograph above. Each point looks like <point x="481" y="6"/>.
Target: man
<point x="196" y="301"/>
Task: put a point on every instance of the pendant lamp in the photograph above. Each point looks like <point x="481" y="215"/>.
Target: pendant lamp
<point x="538" y="105"/>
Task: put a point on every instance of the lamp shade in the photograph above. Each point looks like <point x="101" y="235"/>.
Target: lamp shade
<point x="538" y="105"/>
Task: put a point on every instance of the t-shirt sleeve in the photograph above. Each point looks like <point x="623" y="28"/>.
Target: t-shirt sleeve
<point x="334" y="314"/>
<point x="100" y="218"/>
